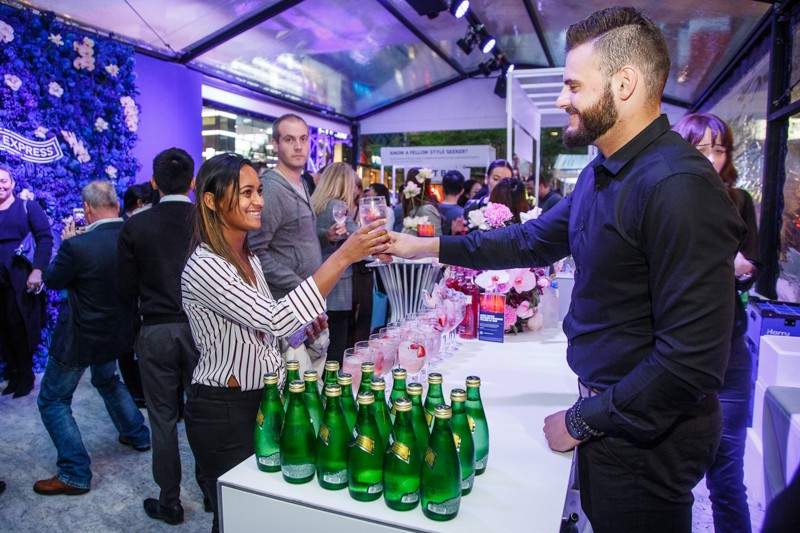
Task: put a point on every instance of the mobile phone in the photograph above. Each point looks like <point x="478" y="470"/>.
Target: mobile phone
<point x="79" y="217"/>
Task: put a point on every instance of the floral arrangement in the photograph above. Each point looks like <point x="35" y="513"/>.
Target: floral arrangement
<point x="490" y="216"/>
<point x="57" y="81"/>
<point x="413" y="222"/>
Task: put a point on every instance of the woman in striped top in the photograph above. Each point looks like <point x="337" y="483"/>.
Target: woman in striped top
<point x="234" y="319"/>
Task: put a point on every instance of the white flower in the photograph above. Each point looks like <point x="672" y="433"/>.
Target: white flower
<point x="112" y="70"/>
<point x="77" y="146"/>
<point x="85" y="59"/>
<point x="56" y="39"/>
<point x="131" y="112"/>
<point x="413" y="222"/>
<point x="26" y="195"/>
<point x="6" y="32"/>
<point x="100" y="124"/>
<point x="40" y="132"/>
<point x="411" y="190"/>
<point x="530" y="215"/>
<point x="425" y="174"/>
<point x="111" y="172"/>
<point x="13" y="82"/>
<point x="55" y="89"/>
<point x="477" y="220"/>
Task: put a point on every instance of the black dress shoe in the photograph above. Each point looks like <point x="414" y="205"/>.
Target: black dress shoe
<point x="128" y="442"/>
<point x="23" y="389"/>
<point x="170" y="515"/>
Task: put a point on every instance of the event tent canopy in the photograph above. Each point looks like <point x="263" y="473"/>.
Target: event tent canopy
<point x="353" y="58"/>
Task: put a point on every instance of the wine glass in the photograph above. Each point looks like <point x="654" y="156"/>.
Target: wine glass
<point x="339" y="213"/>
<point x="370" y="209"/>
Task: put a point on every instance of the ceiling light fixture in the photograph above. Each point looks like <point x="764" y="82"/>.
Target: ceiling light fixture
<point x="458" y="8"/>
<point x="487" y="43"/>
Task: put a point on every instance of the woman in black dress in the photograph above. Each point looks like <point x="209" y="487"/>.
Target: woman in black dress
<point x="22" y="302"/>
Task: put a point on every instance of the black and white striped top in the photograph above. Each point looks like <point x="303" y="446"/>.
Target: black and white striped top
<point x="235" y="325"/>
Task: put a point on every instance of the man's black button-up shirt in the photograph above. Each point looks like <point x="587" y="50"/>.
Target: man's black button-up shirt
<point x="653" y="234"/>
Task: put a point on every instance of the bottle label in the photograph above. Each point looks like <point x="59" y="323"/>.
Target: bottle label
<point x="428" y="417"/>
<point x="471" y="422"/>
<point x="377" y="487"/>
<point x="481" y="463"/>
<point x="365" y="443"/>
<point x="337" y="478"/>
<point x="430" y="457"/>
<point x="260" y="418"/>
<point x="446" y="508"/>
<point x="457" y="441"/>
<point x="467" y="483"/>
<point x="401" y="451"/>
<point x="270" y="460"/>
<point x="324" y="434"/>
<point x="298" y="471"/>
<point x="411" y="497"/>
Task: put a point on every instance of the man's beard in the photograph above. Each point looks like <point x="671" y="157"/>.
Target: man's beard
<point x="594" y="121"/>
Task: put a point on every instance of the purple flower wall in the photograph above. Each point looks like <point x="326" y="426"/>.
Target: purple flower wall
<point x="59" y="82"/>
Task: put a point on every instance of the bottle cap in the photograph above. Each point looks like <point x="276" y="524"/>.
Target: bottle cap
<point x="310" y="375"/>
<point x="434" y="378"/>
<point x="399" y="373"/>
<point x="297" y="386"/>
<point x="332" y="391"/>
<point x="458" y="395"/>
<point x="414" y="389"/>
<point x="443" y="412"/>
<point x="365" y="398"/>
<point x="344" y="379"/>
<point x="270" y="378"/>
<point x="332" y="366"/>
<point x="473" y="381"/>
<point x="368" y="366"/>
<point x="294" y="364"/>
<point x="402" y="404"/>
<point x="377" y="384"/>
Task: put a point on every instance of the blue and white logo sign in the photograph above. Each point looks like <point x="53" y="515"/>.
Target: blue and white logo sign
<point x="32" y="151"/>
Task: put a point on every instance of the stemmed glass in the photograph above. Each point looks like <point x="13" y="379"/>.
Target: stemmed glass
<point x="370" y="209"/>
<point x="339" y="213"/>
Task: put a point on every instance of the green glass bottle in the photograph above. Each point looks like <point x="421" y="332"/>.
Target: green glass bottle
<point x="267" y="432"/>
<point x="476" y="418"/>
<point x="402" y="461"/>
<point x="348" y="405"/>
<point x="298" y="457"/>
<point x="312" y="399"/>
<point x="367" y="371"/>
<point x="441" y="473"/>
<point x="399" y="376"/>
<point x="462" y="434"/>
<point x="329" y="376"/>
<point x="292" y="373"/>
<point x="365" y="457"/>
<point x="332" y="442"/>
<point x="382" y="417"/>
<point x="434" y="397"/>
<point x="421" y="431"/>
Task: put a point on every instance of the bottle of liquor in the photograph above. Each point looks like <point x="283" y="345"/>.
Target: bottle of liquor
<point x="269" y="420"/>
<point x="434" y="397"/>
<point x="476" y="418"/>
<point x="365" y="458"/>
<point x="462" y="434"/>
<point x="312" y="399"/>
<point x="329" y="376"/>
<point x="292" y="373"/>
<point x="348" y="405"/>
<point x="332" y="442"/>
<point x="402" y="461"/>
<point x="298" y="457"/>
<point x="382" y="417"/>
<point x="399" y="376"/>
<point x="367" y="371"/>
<point x="441" y="472"/>
<point x="421" y="431"/>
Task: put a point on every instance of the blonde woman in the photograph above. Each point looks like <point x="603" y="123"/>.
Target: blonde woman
<point x="333" y="202"/>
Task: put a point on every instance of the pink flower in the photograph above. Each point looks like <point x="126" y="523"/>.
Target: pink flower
<point x="497" y="214"/>
<point x="525" y="311"/>
<point x="522" y="279"/>
<point x="493" y="280"/>
<point x="543" y="282"/>
<point x="509" y="317"/>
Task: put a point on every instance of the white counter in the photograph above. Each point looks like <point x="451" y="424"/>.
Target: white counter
<point x="523" y="488"/>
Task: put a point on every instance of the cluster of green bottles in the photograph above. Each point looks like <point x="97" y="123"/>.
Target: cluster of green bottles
<point x="411" y="453"/>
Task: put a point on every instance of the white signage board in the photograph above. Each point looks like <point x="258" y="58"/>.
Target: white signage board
<point x="438" y="157"/>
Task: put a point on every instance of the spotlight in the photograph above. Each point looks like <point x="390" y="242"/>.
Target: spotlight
<point x="487" y="43"/>
<point x="428" y="8"/>
<point x="458" y="8"/>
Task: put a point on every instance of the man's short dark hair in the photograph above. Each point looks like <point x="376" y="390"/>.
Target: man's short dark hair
<point x="623" y="36"/>
<point x="283" y="118"/>
<point x="173" y="170"/>
<point x="545" y="179"/>
<point x="453" y="182"/>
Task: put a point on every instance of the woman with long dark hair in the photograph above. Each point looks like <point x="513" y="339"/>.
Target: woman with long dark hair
<point x="235" y="321"/>
<point x="725" y="479"/>
<point x="511" y="193"/>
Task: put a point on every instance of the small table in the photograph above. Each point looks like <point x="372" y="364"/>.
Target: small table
<point x="405" y="280"/>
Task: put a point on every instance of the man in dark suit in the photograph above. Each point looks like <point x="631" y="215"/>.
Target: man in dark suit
<point x="153" y="248"/>
<point x="88" y="335"/>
